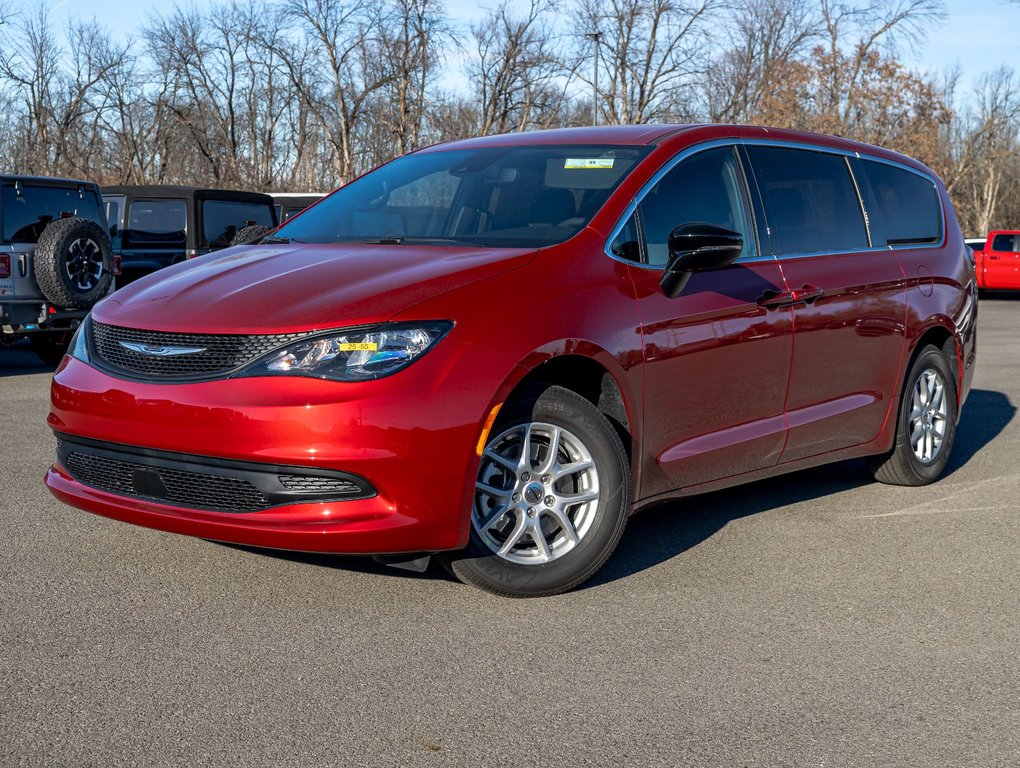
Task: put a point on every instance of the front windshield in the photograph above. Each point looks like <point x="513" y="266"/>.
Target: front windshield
<point x="529" y="196"/>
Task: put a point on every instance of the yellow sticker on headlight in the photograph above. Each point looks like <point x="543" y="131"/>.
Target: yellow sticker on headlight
<point x="363" y="346"/>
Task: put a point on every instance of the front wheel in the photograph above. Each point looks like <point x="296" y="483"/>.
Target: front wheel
<point x="926" y="426"/>
<point x="550" y="501"/>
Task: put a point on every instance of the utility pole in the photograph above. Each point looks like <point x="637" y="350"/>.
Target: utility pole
<point x="597" y="37"/>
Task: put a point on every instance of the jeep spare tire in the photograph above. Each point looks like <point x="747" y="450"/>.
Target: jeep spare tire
<point x="73" y="263"/>
<point x="250" y="234"/>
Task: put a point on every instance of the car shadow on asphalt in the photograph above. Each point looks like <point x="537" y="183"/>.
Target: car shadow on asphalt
<point x="661" y="533"/>
<point x="20" y="360"/>
<point x="985" y="414"/>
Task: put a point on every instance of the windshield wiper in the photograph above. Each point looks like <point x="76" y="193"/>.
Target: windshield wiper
<point x="275" y="240"/>
<point x="412" y="240"/>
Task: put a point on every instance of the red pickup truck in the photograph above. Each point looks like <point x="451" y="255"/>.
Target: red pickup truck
<point x="998" y="262"/>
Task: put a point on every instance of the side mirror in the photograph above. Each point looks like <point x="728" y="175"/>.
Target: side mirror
<point x="696" y="247"/>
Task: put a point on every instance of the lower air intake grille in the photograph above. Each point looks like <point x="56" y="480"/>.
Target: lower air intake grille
<point x="170" y="486"/>
<point x="203" y="482"/>
<point x="158" y="354"/>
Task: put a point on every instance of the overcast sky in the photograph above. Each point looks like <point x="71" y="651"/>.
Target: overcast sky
<point x="978" y="35"/>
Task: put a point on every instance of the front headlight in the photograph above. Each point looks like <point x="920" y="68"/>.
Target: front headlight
<point x="79" y="348"/>
<point x="357" y="355"/>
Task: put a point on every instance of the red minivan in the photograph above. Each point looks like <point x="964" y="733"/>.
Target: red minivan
<point x="496" y="350"/>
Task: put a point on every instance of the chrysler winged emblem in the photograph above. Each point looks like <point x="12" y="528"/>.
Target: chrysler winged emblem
<point x="157" y="350"/>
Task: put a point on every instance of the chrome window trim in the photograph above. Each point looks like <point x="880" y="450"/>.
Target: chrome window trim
<point x="760" y="257"/>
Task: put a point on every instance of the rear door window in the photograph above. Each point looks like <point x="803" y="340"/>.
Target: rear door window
<point x="906" y="204"/>
<point x="157" y="223"/>
<point x="1007" y="243"/>
<point x="221" y="219"/>
<point x="27" y="209"/>
<point x="811" y="203"/>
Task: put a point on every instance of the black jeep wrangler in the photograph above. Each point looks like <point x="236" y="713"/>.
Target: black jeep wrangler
<point x="55" y="260"/>
<point x="158" y="225"/>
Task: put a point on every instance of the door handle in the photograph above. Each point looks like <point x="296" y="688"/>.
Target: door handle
<point x="775" y="299"/>
<point x="809" y="293"/>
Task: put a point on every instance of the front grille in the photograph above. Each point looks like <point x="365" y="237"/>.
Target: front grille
<point x="182" y="489"/>
<point x="219" y="353"/>
<point x="203" y="482"/>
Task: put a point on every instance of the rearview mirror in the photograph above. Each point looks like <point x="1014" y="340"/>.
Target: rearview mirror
<point x="696" y="247"/>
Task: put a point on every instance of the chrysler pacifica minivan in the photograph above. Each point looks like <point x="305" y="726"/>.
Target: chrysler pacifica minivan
<point x="496" y="350"/>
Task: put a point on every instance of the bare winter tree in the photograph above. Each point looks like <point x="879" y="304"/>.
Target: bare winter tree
<point x="856" y="35"/>
<point x="346" y="65"/>
<point x="304" y="94"/>
<point x="516" y="67"/>
<point x="649" y="54"/>
<point x="755" y="79"/>
<point x="416" y="34"/>
<point x="989" y="151"/>
<point x="32" y="72"/>
<point x="61" y="92"/>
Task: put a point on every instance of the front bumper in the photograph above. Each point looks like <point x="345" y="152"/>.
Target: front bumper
<point x="411" y="436"/>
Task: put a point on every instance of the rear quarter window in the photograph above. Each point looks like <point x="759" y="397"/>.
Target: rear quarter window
<point x="221" y="219"/>
<point x="810" y="199"/>
<point x="906" y="204"/>
<point x="157" y="223"/>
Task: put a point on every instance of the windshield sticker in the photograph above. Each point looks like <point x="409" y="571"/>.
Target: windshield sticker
<point x="364" y="346"/>
<point x="588" y="162"/>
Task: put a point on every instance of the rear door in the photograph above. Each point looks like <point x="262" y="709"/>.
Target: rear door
<point x="716" y="362"/>
<point x="849" y="324"/>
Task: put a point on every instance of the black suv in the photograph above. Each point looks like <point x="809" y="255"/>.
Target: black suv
<point x="156" y="226"/>
<point x="55" y="260"/>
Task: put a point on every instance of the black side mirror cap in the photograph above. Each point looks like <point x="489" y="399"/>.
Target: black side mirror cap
<point x="696" y="247"/>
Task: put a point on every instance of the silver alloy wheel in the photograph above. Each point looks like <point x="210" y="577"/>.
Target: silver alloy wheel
<point x="536" y="494"/>
<point x="929" y="415"/>
<point x="84" y="263"/>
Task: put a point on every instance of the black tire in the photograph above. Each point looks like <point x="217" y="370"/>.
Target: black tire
<point x="50" y="346"/>
<point x="74" y="263"/>
<point x="902" y="466"/>
<point x="481" y="567"/>
<point x="250" y="234"/>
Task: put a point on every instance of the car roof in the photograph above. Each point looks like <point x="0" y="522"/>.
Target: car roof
<point x="175" y="191"/>
<point x="637" y="135"/>
<point x="645" y="135"/>
<point x="47" y="181"/>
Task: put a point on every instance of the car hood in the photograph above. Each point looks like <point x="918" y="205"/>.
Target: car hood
<point x="288" y="288"/>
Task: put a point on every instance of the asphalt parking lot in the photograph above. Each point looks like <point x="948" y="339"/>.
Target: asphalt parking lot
<point x="817" y="619"/>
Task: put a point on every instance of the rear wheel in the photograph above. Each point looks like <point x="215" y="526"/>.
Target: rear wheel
<point x="550" y="501"/>
<point x="926" y="426"/>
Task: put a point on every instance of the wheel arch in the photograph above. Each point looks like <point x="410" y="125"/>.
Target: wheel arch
<point x="940" y="332"/>
<point x="586" y="369"/>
